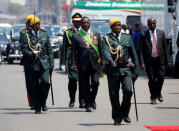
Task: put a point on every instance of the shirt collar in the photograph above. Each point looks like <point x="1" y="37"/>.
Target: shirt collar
<point x="76" y="28"/>
<point x="119" y="35"/>
<point x="33" y="32"/>
<point x="88" y="32"/>
<point x="152" y="31"/>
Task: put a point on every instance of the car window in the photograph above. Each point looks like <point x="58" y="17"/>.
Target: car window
<point x="101" y="27"/>
<point x="17" y="28"/>
<point x="50" y="30"/>
<point x="6" y="30"/>
<point x="3" y="37"/>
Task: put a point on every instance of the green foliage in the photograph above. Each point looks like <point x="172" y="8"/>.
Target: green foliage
<point x="16" y="9"/>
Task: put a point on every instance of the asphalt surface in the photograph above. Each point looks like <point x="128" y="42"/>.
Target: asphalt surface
<point x="15" y="115"/>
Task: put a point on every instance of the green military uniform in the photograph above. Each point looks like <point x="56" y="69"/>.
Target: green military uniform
<point x="27" y="70"/>
<point x="66" y="60"/>
<point x="118" y="51"/>
<point x="40" y="65"/>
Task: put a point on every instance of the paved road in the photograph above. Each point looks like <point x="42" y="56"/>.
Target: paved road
<point x="16" y="116"/>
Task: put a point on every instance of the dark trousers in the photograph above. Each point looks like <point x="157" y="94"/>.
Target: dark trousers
<point x="120" y="110"/>
<point x="41" y="88"/>
<point x="89" y="82"/>
<point x="72" y="87"/>
<point x="155" y="73"/>
<point x="28" y="71"/>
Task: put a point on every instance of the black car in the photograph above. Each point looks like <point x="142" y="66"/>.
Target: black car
<point x="101" y="26"/>
<point x="3" y="44"/>
<point x="13" y="51"/>
<point x="14" y="35"/>
<point x="55" y="43"/>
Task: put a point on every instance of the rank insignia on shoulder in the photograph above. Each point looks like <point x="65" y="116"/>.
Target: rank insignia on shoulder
<point x="43" y="29"/>
<point x="44" y="38"/>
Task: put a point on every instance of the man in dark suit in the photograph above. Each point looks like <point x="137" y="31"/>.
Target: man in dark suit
<point x="86" y="61"/>
<point x="154" y="58"/>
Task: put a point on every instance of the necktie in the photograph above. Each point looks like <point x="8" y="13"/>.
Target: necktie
<point x="155" y="52"/>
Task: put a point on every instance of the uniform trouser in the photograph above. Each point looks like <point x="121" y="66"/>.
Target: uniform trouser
<point x="156" y="74"/>
<point x="29" y="85"/>
<point x="41" y="88"/>
<point x="89" y="89"/>
<point x="120" y="110"/>
<point x="72" y="87"/>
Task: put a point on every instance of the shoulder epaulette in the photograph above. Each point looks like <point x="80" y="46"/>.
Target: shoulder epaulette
<point x="68" y="29"/>
<point x="125" y="34"/>
<point x="43" y="29"/>
<point x="23" y="29"/>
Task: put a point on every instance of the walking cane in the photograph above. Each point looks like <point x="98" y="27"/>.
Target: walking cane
<point x="51" y="87"/>
<point x="133" y="82"/>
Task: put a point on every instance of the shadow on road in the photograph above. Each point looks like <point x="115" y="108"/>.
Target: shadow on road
<point x="18" y="113"/>
<point x="142" y="103"/>
<point x="14" y="109"/>
<point x="168" y="108"/>
<point x="62" y="108"/>
<point x="69" y="111"/>
<point x="66" y="109"/>
<point x="174" y="93"/>
<point x="99" y="124"/>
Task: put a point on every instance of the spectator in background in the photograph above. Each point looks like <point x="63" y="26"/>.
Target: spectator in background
<point x="125" y="29"/>
<point x="154" y="58"/>
<point x="136" y="35"/>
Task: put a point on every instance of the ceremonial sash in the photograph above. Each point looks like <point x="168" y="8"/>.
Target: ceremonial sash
<point x="89" y="40"/>
<point x="95" y="47"/>
<point x="69" y="32"/>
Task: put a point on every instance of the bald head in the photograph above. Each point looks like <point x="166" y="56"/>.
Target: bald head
<point x="151" y="22"/>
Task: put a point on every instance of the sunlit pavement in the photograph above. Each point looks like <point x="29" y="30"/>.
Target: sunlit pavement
<point x="15" y="115"/>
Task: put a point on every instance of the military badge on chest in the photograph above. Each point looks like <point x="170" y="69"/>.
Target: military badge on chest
<point x="95" y="40"/>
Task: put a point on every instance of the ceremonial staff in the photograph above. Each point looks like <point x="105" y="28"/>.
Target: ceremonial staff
<point x="131" y="65"/>
<point x="133" y="82"/>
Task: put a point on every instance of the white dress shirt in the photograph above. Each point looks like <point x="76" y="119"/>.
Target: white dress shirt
<point x="119" y="35"/>
<point x="151" y="37"/>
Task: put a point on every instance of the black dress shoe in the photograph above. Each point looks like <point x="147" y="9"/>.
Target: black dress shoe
<point x="88" y="109"/>
<point x="94" y="105"/>
<point x="153" y="101"/>
<point x="117" y="123"/>
<point x="160" y="98"/>
<point x="127" y="119"/>
<point x="82" y="105"/>
<point x="44" y="108"/>
<point x="37" y="112"/>
<point x="71" y="104"/>
<point x="32" y="108"/>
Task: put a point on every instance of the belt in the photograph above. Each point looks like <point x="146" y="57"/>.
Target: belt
<point x="157" y="57"/>
<point x="43" y="54"/>
<point x="122" y="64"/>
